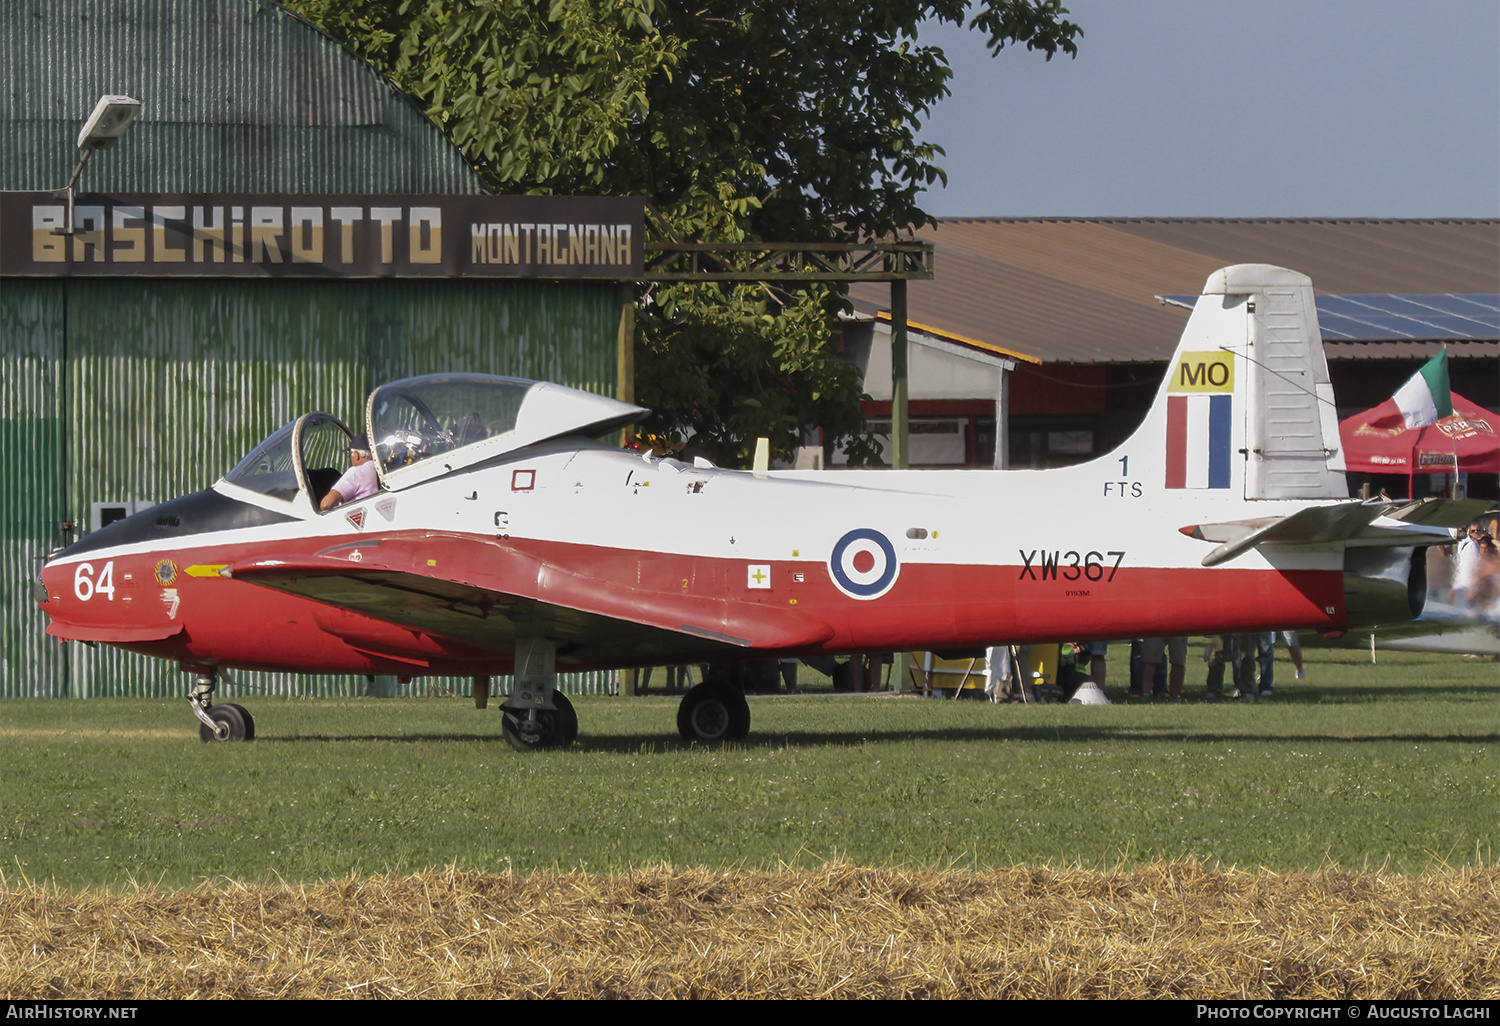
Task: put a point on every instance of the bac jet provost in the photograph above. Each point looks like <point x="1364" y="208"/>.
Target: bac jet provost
<point x="504" y="538"/>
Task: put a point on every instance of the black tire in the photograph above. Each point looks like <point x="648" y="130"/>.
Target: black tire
<point x="234" y="718"/>
<point x="567" y="719"/>
<point x="713" y="711"/>
<point x="554" y="728"/>
<point x="249" y="720"/>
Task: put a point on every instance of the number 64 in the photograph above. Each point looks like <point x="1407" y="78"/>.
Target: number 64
<point x="86" y="586"/>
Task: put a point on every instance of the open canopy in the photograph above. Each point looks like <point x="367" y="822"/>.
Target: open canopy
<point x="419" y="429"/>
<point x="424" y="427"/>
<point x="1378" y="441"/>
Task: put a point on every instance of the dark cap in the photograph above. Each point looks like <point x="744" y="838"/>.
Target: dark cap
<point x="361" y="442"/>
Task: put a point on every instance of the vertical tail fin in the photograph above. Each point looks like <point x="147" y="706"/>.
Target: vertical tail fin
<point x="1247" y="396"/>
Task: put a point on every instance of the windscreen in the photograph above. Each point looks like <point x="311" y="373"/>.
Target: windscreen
<point x="269" y="468"/>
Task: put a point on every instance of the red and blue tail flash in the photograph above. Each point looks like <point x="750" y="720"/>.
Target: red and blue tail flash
<point x="1200" y="406"/>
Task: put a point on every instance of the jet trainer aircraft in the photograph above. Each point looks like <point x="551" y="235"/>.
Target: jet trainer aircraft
<point x="505" y="538"/>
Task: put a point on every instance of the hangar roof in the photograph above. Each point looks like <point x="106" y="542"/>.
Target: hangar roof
<point x="236" y="96"/>
<point x="1084" y="290"/>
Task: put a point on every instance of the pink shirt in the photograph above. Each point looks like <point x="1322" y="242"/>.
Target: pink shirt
<point x="358" y="482"/>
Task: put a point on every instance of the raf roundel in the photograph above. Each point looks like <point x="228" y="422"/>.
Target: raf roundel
<point x="863" y="564"/>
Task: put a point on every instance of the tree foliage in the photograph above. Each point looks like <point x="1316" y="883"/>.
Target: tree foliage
<point x="787" y="120"/>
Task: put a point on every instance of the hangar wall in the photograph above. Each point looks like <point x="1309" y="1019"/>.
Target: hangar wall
<point x="122" y="390"/>
<point x="141" y="389"/>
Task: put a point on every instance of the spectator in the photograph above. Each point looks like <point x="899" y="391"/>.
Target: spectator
<point x="1151" y="653"/>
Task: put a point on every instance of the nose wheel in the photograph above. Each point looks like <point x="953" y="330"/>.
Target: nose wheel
<point x="230" y="723"/>
<point x="226" y="722"/>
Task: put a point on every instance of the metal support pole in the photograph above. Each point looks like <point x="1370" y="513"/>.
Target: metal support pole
<point x="625" y="390"/>
<point x="900" y="453"/>
<point x="1002" y="421"/>
<point x="625" y="345"/>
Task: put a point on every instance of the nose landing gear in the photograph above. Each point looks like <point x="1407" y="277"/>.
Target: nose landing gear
<point x="227" y="722"/>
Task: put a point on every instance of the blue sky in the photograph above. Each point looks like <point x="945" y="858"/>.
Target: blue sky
<point x="1184" y="108"/>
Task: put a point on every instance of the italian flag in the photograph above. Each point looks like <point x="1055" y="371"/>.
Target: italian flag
<point x="1426" y="398"/>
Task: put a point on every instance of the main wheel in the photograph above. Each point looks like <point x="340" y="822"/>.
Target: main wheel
<point x="713" y="711"/>
<point x="567" y="719"/>
<point x="552" y="728"/>
<point x="234" y="721"/>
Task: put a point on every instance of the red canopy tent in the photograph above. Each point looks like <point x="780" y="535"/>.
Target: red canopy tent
<point x="1377" y="441"/>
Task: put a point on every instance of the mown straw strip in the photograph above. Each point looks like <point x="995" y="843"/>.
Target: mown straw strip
<point x="1169" y="930"/>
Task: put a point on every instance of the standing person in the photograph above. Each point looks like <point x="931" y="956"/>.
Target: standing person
<point x="1265" y="647"/>
<point x="1096" y="651"/>
<point x="1151" y="653"/>
<point x="1466" y="563"/>
<point x="789" y="675"/>
<point x="1215" y="653"/>
<point x="997" y="673"/>
<point x="1242" y="651"/>
<point x="1007" y="671"/>
<point x="358" y="481"/>
<point x="1485" y="588"/>
<point x="1294" y="649"/>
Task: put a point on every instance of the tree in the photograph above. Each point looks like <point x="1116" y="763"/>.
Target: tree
<point x="786" y="120"/>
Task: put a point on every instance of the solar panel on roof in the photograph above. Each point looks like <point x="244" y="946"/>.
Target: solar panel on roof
<point x="1389" y="318"/>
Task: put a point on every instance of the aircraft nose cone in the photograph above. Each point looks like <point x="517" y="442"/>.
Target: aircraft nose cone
<point x="47" y="584"/>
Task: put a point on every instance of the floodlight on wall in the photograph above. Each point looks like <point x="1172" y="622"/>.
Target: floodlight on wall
<point x="111" y="116"/>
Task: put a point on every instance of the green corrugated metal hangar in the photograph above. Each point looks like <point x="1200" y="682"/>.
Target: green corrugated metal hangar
<point x="262" y="242"/>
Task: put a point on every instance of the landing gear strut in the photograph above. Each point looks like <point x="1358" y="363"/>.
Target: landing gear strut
<point x="528" y="729"/>
<point x="227" y="722"/>
<point x="537" y="715"/>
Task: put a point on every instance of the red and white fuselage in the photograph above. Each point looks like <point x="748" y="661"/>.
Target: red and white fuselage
<point x="622" y="559"/>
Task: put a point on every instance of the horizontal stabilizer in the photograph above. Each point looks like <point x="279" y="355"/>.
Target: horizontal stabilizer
<point x="1349" y="522"/>
<point x="1312" y="526"/>
<point x="1435" y="512"/>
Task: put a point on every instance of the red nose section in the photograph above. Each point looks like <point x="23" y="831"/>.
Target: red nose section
<point x="97" y="600"/>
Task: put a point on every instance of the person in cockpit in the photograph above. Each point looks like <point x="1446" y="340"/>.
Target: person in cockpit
<point x="358" y="481"/>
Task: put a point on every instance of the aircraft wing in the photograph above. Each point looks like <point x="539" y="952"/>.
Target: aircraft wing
<point x="593" y="619"/>
<point x="1353" y="523"/>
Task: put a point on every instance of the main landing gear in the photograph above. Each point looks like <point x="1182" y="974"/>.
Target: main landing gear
<point x="715" y="710"/>
<point x="528" y="729"/>
<point x="537" y="715"/>
<point x="227" y="722"/>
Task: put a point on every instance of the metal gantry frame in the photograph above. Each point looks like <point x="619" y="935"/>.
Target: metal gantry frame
<point x="893" y="262"/>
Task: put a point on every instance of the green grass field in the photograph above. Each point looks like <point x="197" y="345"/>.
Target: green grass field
<point x="1359" y="767"/>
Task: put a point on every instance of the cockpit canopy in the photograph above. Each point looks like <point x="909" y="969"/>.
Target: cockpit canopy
<point x="421" y="428"/>
<point x="423" y="418"/>
<point x="424" y="427"/>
